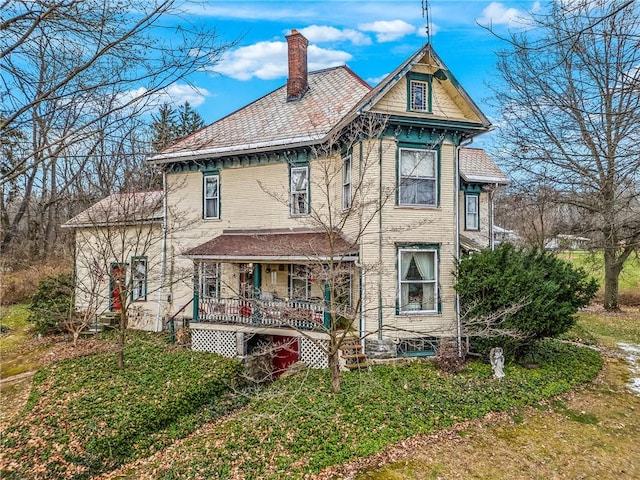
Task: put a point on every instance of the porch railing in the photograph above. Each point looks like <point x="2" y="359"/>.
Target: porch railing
<point x="262" y="313"/>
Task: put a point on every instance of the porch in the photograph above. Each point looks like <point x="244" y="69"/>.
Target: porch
<point x="260" y="313"/>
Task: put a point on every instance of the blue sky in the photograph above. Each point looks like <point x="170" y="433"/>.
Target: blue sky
<point x="371" y="37"/>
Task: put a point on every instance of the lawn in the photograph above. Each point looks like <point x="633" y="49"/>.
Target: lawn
<point x="593" y="263"/>
<point x="84" y="416"/>
<point x="297" y="427"/>
<point x="591" y="432"/>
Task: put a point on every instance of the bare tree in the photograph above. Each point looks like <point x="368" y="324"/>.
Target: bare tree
<point x="536" y="214"/>
<point x="122" y="265"/>
<point x="74" y="75"/>
<point x="570" y="97"/>
<point x="348" y="198"/>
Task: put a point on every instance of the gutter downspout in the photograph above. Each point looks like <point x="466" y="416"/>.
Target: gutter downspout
<point x="492" y="192"/>
<point x="163" y="259"/>
<point x="380" y="239"/>
<point x="456" y="182"/>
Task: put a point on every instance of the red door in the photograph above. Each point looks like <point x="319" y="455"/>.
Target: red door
<point x="117" y="286"/>
<point x="286" y="353"/>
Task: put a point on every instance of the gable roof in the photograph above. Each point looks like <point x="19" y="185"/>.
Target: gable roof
<point x="336" y="96"/>
<point x="477" y="167"/>
<point x="272" y="121"/>
<point x="129" y="208"/>
<point x="442" y="73"/>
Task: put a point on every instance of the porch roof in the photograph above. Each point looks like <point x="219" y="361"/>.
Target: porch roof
<point x="273" y="245"/>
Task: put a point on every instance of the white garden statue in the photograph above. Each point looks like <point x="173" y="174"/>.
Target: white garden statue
<point x="496" y="357"/>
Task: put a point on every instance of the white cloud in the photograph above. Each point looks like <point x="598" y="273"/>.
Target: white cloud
<point x="433" y="29"/>
<point x="376" y="80"/>
<point x="268" y="60"/>
<point x="178" y="94"/>
<point x="175" y="94"/>
<point x="388" y="30"/>
<point x="497" y="14"/>
<point x="323" y="33"/>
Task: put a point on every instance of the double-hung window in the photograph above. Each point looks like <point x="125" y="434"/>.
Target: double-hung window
<point x="471" y="212"/>
<point x="346" y="182"/>
<point x="417" y="183"/>
<point x="418" y="280"/>
<point x="211" y="205"/>
<point x="139" y="278"/>
<point x="299" y="190"/>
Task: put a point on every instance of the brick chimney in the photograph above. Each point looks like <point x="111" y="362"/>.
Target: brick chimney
<point x="297" y="83"/>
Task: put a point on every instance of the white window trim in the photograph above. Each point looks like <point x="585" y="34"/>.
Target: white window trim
<point x="434" y="281"/>
<point x="293" y="193"/>
<point x="205" y="198"/>
<point x="347" y="196"/>
<point x="467" y="225"/>
<point x="434" y="178"/>
<point x="425" y="87"/>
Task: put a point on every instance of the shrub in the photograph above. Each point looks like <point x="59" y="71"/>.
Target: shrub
<point x="51" y="304"/>
<point x="550" y="289"/>
<point x="18" y="286"/>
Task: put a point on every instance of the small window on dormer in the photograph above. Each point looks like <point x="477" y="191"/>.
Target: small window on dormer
<point x="419" y="91"/>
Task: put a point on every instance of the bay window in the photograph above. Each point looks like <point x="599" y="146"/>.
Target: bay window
<point x="417" y="279"/>
<point x="471" y="212"/>
<point x="417" y="182"/>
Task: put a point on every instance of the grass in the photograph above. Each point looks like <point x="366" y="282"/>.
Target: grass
<point x="297" y="427"/>
<point x="84" y="416"/>
<point x="588" y="433"/>
<point x="593" y="263"/>
<point x="17" y="331"/>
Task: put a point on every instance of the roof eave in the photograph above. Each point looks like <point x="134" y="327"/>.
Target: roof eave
<point x="236" y="150"/>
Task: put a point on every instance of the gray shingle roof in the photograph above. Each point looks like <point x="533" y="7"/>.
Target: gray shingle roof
<point x="477" y="167"/>
<point x="271" y="121"/>
<point x="128" y="208"/>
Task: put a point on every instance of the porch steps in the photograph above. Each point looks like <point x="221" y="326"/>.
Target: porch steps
<point x="352" y="355"/>
<point x="104" y="321"/>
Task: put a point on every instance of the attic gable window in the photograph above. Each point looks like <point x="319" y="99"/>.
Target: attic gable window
<point x="299" y="189"/>
<point x="418" y="95"/>
<point x="418" y="92"/>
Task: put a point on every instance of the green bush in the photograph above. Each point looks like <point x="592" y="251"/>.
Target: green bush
<point x="552" y="290"/>
<point x="51" y="304"/>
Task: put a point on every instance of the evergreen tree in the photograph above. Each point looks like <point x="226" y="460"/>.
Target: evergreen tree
<point x="164" y="128"/>
<point x="189" y="120"/>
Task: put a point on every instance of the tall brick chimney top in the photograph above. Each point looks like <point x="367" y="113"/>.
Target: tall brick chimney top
<point x="297" y="83"/>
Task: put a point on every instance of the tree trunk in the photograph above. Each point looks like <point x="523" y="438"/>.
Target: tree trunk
<point x="121" y="337"/>
<point x="611" y="275"/>
<point x="334" y="366"/>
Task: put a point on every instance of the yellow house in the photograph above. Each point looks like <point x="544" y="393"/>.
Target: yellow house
<point x="328" y="204"/>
